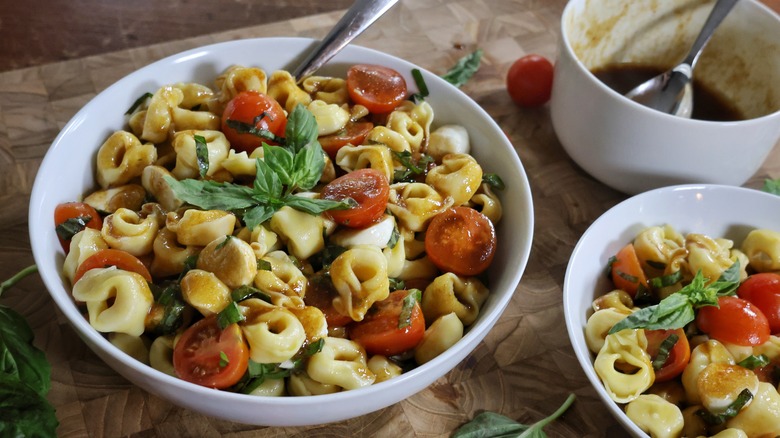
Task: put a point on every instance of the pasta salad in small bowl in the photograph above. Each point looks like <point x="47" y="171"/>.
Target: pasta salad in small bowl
<point x="281" y="252"/>
<point x="672" y="303"/>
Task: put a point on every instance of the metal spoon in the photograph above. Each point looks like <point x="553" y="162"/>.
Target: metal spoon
<point x="358" y="18"/>
<point x="671" y="92"/>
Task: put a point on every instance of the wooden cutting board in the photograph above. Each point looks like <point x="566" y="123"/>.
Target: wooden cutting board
<point x="524" y="369"/>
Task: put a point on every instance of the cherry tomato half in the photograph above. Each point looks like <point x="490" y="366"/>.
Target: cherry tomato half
<point x="378" y="88"/>
<point x="112" y="257"/>
<point x="529" y="81"/>
<point x="679" y="355"/>
<point x="626" y="272"/>
<point x="379" y="331"/>
<point x="209" y="356"/>
<point x="735" y="321"/>
<point x="254" y="109"/>
<point x="354" y="133"/>
<point x="368" y="187"/>
<point x="461" y="240"/>
<point x="74" y="210"/>
<point x="763" y="290"/>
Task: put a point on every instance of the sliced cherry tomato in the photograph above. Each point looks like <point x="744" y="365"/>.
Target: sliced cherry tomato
<point x="461" y="240"/>
<point x="254" y="109"/>
<point x="627" y="273"/>
<point x="209" y="356"/>
<point x="735" y="321"/>
<point x="380" y="332"/>
<point x="378" y="88"/>
<point x="354" y="133"/>
<point x="368" y="187"/>
<point x="679" y="355"/>
<point x="74" y="210"/>
<point x="320" y="294"/>
<point x="112" y="257"/>
<point x="529" y="81"/>
<point x="763" y="290"/>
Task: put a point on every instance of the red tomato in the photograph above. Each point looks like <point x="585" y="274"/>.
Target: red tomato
<point x="735" y="321"/>
<point x="368" y="187"/>
<point x="379" y="331"/>
<point x="208" y="356"/>
<point x="461" y="240"/>
<point x="678" y="358"/>
<point x="320" y="294"/>
<point x="529" y="81"/>
<point x="378" y="88"/>
<point x="627" y="273"/>
<point x="256" y="109"/>
<point x="74" y="210"/>
<point x="112" y="257"/>
<point x="763" y="290"/>
<point x="354" y="133"/>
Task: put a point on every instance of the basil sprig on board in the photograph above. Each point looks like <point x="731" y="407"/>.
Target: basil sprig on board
<point x="491" y="424"/>
<point x="678" y="309"/>
<point x="283" y="171"/>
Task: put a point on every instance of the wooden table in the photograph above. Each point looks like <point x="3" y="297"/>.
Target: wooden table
<point x="525" y="368"/>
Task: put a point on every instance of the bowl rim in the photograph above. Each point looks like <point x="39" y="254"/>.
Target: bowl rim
<point x="100" y="344"/>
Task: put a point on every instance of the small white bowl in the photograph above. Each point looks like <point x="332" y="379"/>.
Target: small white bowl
<point x="67" y="173"/>
<point x="632" y="148"/>
<point x="715" y="210"/>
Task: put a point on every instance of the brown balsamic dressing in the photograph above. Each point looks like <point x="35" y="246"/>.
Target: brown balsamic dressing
<point x="708" y="104"/>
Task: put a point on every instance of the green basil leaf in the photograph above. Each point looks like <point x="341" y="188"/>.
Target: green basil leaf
<point x="248" y="128"/>
<point x="664" y="350"/>
<point x="72" y="226"/>
<point x="138" y="102"/>
<point x="490" y="424"/>
<point x="493" y="180"/>
<point x="222" y="244"/>
<point x="245" y="292"/>
<point x="772" y="186"/>
<point x="421" y="85"/>
<point x="257" y="215"/>
<point x="211" y="195"/>
<point x="229" y="315"/>
<point x="23" y="411"/>
<point x="281" y="161"/>
<point x="19" y="358"/>
<point x="752" y="362"/>
<point x="301" y="129"/>
<point x="307" y="167"/>
<point x="316" y="206"/>
<point x="666" y="280"/>
<point x="413" y="297"/>
<point x="674" y="311"/>
<point x="464" y="69"/>
<point x="732" y="410"/>
<point x="202" y="154"/>
<point x="224" y="360"/>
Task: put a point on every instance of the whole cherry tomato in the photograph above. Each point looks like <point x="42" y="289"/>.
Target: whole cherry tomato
<point x="529" y="81"/>
<point x="763" y="290"/>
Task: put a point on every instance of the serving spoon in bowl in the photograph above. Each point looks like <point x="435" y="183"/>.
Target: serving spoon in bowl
<point x="359" y="16"/>
<point x="671" y="92"/>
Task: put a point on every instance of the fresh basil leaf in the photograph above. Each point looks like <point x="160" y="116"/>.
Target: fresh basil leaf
<point x="316" y="205"/>
<point x="301" y="129"/>
<point x="413" y="297"/>
<point x="772" y="186"/>
<point x="421" y="85"/>
<point x="212" y="195"/>
<point x="23" y="411"/>
<point x="248" y="128"/>
<point x="732" y="410"/>
<point x="138" y="102"/>
<point x="394" y="237"/>
<point x="72" y="226"/>
<point x="281" y="161"/>
<point x="752" y="362"/>
<point x="464" y="69"/>
<point x="169" y="297"/>
<point x="224" y="360"/>
<point x="396" y="284"/>
<point x="229" y="315"/>
<point x="664" y="350"/>
<point x="257" y="215"/>
<point x="307" y="167"/>
<point x="493" y="180"/>
<point x="263" y="265"/>
<point x="222" y="244"/>
<point x="202" y="154"/>
<point x="666" y="280"/>
<point x="245" y="292"/>
<point x="490" y="424"/>
<point x="19" y="358"/>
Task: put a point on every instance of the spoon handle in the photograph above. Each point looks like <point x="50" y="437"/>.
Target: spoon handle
<point x="360" y="16"/>
<point x="717" y="14"/>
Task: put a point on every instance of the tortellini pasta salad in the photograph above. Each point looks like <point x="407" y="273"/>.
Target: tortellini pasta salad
<point x="269" y="237"/>
<point x="688" y="341"/>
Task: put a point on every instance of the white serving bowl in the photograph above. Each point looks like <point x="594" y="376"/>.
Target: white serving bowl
<point x="714" y="210"/>
<point x="632" y="148"/>
<point x="67" y="173"/>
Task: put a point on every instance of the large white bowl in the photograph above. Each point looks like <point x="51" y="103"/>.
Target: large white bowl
<point x="715" y="210"/>
<point x="67" y="173"/>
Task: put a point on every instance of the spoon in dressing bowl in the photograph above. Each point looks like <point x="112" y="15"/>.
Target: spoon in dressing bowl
<point x="359" y="16"/>
<point x="671" y="92"/>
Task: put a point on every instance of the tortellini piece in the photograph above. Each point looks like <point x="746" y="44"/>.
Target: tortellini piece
<point x="82" y="245"/>
<point x="441" y="335"/>
<point x="133" y="232"/>
<point x="703" y="355"/>
<point x="313" y="321"/>
<point x="626" y="349"/>
<point x="187" y="162"/>
<point x="327" y="89"/>
<point x="301" y="232"/>
<point x="284" y="89"/>
<point x="719" y="385"/>
<point x="657" y="249"/>
<point x="415" y="204"/>
<point x="762" y="248"/>
<point x="161" y="355"/>
<point x="129" y="196"/>
<point x="136" y="347"/>
<point x="383" y="368"/>
<point x="239" y="164"/>
<point x="273" y="333"/>
<point x="300" y="384"/>
<point x="238" y="78"/>
<point x="457" y="177"/>
<point x="375" y="157"/>
<point x="284" y="282"/>
<point x="359" y="275"/>
<point x="169" y="256"/>
<point x="413" y="122"/>
<point x="341" y="362"/>
<point x="168" y="114"/>
<point x="760" y="417"/>
<point x="710" y="256"/>
<point x="331" y="118"/>
<point x="199" y="227"/>
<point x="122" y="158"/>
<point x="204" y="291"/>
<point x="261" y="239"/>
<point x="599" y="324"/>
<point x="450" y="293"/>
<point x="231" y="259"/>
<point x="385" y="136"/>
<point x="448" y="139"/>
<point x="117" y="300"/>
<point x="656" y="416"/>
<point x="153" y="181"/>
<point x="269" y="388"/>
<point x="488" y="203"/>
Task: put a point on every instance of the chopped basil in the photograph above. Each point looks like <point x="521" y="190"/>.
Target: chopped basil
<point x="138" y="102"/>
<point x="257" y="373"/>
<point x="421" y="85"/>
<point x="752" y="362"/>
<point x="610" y="262"/>
<point x="464" y="69"/>
<point x="244" y="292"/>
<point x="72" y="226"/>
<point x="394" y="238"/>
<point x="250" y="128"/>
<point x="224" y="360"/>
<point x="405" y="318"/>
<point x="396" y="284"/>
<point x="229" y="315"/>
<point x="733" y="409"/>
<point x="494" y="181"/>
<point x="666" y="280"/>
<point x="169" y="297"/>
<point x="263" y="265"/>
<point x="222" y="244"/>
<point x="664" y="350"/>
<point x="411" y="168"/>
<point x="202" y="154"/>
<point x="656" y="265"/>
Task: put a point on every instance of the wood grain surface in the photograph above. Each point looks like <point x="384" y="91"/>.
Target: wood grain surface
<point x="525" y="367"/>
